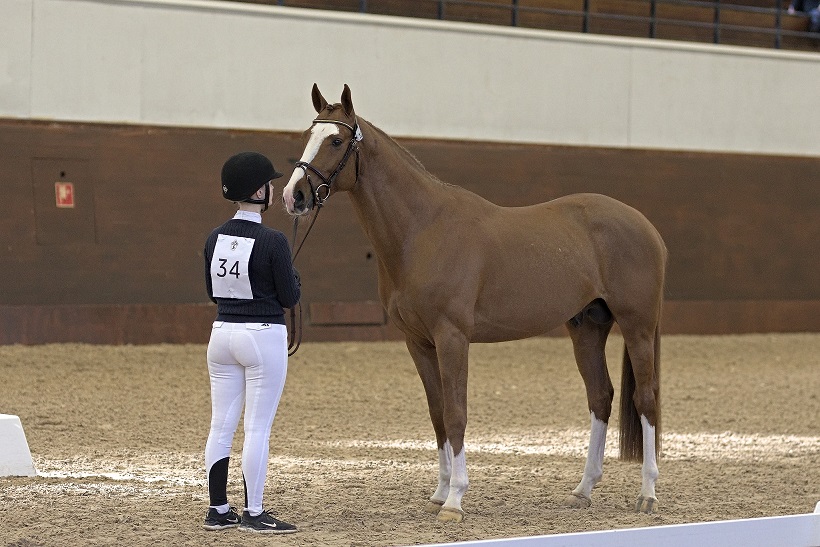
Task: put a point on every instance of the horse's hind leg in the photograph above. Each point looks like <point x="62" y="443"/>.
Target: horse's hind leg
<point x="640" y="359"/>
<point x="424" y="356"/>
<point x="589" y="331"/>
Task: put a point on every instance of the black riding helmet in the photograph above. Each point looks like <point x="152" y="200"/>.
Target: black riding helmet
<point x="244" y="174"/>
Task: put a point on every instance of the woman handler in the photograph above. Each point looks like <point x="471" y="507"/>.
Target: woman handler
<point x="249" y="275"/>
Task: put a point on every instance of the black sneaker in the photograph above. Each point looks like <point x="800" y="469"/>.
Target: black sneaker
<point x="264" y="523"/>
<point x="216" y="521"/>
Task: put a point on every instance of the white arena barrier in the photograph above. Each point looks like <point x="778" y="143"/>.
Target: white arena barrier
<point x="15" y="457"/>
<point x="791" y="530"/>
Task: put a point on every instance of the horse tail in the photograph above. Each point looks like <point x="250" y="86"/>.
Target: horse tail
<point x="631" y="438"/>
<point x="631" y="432"/>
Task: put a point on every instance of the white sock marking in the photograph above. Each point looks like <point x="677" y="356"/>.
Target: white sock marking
<point x="594" y="468"/>
<point x="445" y="457"/>
<point x="458" y="480"/>
<point x="649" y="470"/>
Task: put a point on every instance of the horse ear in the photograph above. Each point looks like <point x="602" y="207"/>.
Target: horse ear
<point x="347" y="102"/>
<point x="319" y="102"/>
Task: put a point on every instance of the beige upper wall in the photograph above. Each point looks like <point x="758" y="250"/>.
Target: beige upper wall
<point x="231" y="65"/>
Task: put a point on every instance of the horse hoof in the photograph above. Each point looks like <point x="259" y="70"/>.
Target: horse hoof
<point x="646" y="505"/>
<point x="577" y="501"/>
<point x="433" y="507"/>
<point x="446" y="514"/>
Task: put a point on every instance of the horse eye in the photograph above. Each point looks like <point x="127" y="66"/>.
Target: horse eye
<point x="337" y="142"/>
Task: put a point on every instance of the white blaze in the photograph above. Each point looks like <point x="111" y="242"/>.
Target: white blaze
<point x="318" y="133"/>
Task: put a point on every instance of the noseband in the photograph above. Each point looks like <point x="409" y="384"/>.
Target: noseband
<point x="322" y="191"/>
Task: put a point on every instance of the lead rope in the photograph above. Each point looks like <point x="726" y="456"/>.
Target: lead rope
<point x="295" y="334"/>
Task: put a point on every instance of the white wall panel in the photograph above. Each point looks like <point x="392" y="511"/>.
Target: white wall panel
<point x="699" y="99"/>
<point x="15" y="57"/>
<point x="233" y="65"/>
<point x="85" y="61"/>
<point x="507" y="89"/>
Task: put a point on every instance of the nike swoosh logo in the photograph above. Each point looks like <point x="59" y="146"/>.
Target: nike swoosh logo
<point x="232" y="520"/>
<point x="272" y="525"/>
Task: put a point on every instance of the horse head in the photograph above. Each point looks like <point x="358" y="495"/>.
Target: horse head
<point x="331" y="141"/>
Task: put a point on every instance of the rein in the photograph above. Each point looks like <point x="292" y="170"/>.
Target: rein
<point x="295" y="333"/>
<point x="320" y="195"/>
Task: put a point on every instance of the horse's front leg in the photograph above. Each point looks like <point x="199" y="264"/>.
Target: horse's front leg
<point x="452" y="348"/>
<point x="426" y="361"/>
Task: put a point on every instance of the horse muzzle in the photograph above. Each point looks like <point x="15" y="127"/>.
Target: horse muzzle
<point x="302" y="203"/>
<point x="297" y="196"/>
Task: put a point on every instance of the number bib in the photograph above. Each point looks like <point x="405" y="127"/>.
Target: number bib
<point x="229" y="267"/>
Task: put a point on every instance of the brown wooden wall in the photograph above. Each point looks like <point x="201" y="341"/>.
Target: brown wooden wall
<point x="125" y="265"/>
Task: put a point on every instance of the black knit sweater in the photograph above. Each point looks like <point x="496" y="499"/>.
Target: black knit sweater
<point x="273" y="282"/>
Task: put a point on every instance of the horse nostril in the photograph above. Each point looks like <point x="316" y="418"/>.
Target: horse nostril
<point x="298" y="199"/>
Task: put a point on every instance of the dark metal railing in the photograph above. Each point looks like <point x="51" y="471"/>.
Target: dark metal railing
<point x="588" y="13"/>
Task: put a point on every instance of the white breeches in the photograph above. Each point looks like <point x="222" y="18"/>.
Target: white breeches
<point x="247" y="364"/>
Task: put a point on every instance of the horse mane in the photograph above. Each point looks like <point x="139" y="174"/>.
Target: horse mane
<point x="411" y="159"/>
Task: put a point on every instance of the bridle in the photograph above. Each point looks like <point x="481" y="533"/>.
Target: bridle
<point x="322" y="191"/>
<point x="320" y="195"/>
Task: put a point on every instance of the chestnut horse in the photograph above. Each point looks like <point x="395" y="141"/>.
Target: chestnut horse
<point x="455" y="269"/>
